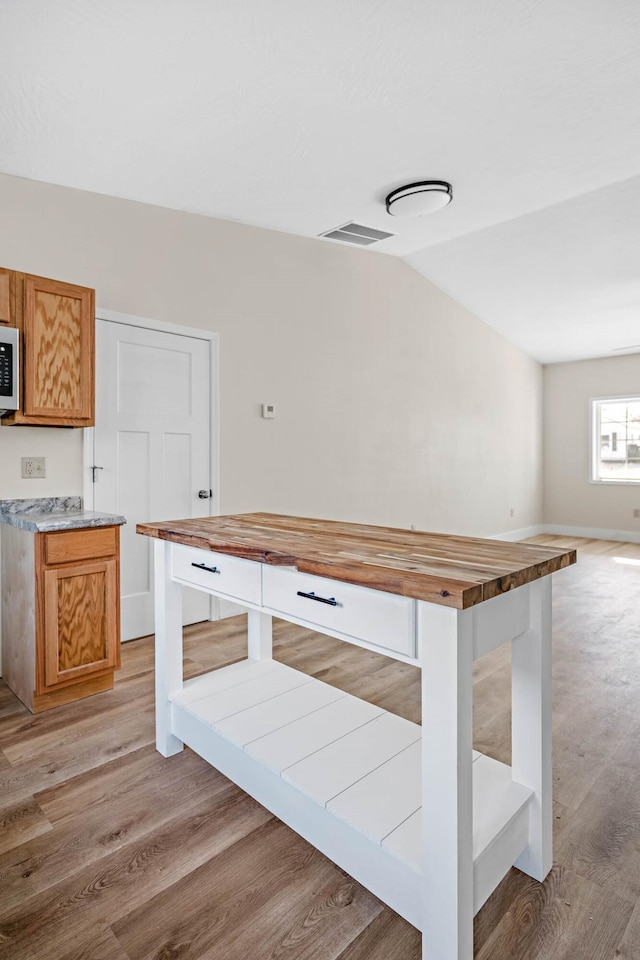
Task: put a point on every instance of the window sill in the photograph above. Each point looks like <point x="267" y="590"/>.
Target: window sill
<point x="616" y="483"/>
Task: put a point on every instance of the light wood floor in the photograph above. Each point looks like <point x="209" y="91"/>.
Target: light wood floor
<point x="110" y="852"/>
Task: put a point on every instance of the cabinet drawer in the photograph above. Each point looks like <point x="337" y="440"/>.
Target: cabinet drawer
<point x="385" y="620"/>
<point x="88" y="544"/>
<point x="218" y="573"/>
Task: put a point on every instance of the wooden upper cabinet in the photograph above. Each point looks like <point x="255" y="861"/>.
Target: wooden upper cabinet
<point x="6" y="312"/>
<point x="58" y="351"/>
<point x="57" y="321"/>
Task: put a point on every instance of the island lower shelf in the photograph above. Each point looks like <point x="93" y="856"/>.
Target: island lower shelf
<point x="343" y="773"/>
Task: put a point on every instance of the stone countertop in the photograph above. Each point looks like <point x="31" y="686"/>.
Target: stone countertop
<point x="46" y="514"/>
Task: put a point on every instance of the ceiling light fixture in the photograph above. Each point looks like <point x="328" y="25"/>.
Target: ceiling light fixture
<point x="418" y="199"/>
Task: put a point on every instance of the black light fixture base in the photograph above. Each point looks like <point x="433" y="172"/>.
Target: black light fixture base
<point x="419" y="198"/>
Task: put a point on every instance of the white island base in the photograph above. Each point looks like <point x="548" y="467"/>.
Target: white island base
<point x="413" y="813"/>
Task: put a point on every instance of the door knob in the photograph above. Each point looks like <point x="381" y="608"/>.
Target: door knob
<point x="204" y="494"/>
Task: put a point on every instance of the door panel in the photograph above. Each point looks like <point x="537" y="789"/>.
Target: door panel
<point x="154" y="378"/>
<point x="58" y="349"/>
<point x="80" y="636"/>
<point x="153" y="440"/>
<point x="134" y="465"/>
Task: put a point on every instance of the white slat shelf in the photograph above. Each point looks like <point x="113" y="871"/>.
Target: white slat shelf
<point x="333" y="766"/>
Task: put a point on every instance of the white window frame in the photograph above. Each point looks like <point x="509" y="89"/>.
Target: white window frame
<point x="594" y="438"/>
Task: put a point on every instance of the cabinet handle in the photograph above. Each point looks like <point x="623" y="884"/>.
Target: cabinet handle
<point x="311" y="596"/>
<point x="203" y="566"/>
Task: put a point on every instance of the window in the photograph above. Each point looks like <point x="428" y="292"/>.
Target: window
<point x="615" y="440"/>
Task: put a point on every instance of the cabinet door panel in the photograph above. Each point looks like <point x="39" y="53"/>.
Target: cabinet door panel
<point x="58" y="351"/>
<point x="80" y="629"/>
<point x="5" y="296"/>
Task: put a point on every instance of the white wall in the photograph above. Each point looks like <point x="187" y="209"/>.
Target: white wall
<point x="569" y="498"/>
<point x="395" y="405"/>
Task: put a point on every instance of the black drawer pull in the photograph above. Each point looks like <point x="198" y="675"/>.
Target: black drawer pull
<point x="203" y="566"/>
<point x="311" y="596"/>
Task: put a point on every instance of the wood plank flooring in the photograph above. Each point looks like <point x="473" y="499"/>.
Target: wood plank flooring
<point x="108" y="851"/>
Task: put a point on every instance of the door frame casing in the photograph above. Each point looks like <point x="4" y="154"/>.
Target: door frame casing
<point x="161" y="326"/>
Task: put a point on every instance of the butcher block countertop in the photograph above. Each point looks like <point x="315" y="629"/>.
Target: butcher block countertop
<point x="440" y="568"/>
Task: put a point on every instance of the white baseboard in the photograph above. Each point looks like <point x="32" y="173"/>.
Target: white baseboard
<point x="522" y="534"/>
<point x="592" y="533"/>
<point x="563" y="530"/>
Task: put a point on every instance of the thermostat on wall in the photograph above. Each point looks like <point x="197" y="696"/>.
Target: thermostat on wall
<point x="268" y="411"/>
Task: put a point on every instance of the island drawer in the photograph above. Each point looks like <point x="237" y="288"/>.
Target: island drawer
<point x="384" y="620"/>
<point x="218" y="573"/>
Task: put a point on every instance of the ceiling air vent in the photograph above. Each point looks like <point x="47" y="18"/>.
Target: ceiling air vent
<point x="356" y="233"/>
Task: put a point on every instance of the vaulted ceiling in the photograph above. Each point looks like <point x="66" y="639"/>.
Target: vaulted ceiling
<point x="300" y="116"/>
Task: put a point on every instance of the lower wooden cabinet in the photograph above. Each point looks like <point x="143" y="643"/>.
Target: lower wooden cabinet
<point x="79" y="637"/>
<point x="70" y="646"/>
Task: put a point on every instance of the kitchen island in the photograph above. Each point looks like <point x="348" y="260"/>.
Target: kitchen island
<point x="412" y="812"/>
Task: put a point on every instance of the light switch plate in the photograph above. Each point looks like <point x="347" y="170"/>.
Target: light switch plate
<point x="33" y="468"/>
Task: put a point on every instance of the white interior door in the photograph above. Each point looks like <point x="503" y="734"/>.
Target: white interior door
<point x="152" y="443"/>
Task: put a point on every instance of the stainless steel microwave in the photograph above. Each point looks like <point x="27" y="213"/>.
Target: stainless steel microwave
<point x="9" y="386"/>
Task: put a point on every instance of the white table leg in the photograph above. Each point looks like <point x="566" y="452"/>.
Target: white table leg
<point x="168" y="614"/>
<point x="260" y="642"/>
<point x="531" y="727"/>
<point x="446" y="653"/>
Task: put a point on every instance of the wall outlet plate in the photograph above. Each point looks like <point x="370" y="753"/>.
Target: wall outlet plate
<point x="268" y="411"/>
<point x="33" y="468"/>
